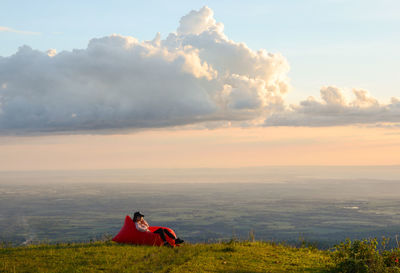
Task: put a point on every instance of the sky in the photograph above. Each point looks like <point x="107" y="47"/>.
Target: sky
<point x="184" y="84"/>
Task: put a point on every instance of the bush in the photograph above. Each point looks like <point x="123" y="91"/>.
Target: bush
<point x="392" y="259"/>
<point x="363" y="256"/>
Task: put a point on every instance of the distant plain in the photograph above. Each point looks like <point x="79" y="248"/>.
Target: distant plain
<point x="317" y="204"/>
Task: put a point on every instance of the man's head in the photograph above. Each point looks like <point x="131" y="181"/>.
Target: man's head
<point x="137" y="216"/>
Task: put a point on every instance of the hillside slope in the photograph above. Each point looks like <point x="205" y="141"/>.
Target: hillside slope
<point x="111" y="257"/>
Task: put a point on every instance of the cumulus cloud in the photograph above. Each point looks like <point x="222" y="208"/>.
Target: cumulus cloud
<point x="334" y="109"/>
<point x="194" y="75"/>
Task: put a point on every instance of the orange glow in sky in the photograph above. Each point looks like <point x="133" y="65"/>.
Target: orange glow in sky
<point x="225" y="147"/>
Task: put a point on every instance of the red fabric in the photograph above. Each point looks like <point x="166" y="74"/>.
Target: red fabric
<point x="130" y="235"/>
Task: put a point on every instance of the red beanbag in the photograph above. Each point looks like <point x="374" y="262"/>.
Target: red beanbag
<point x="130" y="235"/>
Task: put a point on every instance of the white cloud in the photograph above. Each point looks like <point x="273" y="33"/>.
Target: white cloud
<point x="196" y="74"/>
<point x="197" y="22"/>
<point x="8" y="29"/>
<point x="334" y="109"/>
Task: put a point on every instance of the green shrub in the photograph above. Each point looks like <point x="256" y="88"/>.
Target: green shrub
<point x="363" y="256"/>
<point x="392" y="259"/>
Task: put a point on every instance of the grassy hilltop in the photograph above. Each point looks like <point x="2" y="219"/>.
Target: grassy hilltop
<point x="111" y="257"/>
<point x="360" y="256"/>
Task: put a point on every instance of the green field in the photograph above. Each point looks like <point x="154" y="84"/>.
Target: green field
<point x="111" y="257"/>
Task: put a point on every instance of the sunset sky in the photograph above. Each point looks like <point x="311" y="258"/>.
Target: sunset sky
<point x="186" y="84"/>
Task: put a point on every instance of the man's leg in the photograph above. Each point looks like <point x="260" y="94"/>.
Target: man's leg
<point x="177" y="240"/>
<point x="160" y="231"/>
<point x="170" y="235"/>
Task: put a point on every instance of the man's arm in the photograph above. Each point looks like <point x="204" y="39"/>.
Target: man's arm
<point x="145" y="223"/>
<point x="141" y="227"/>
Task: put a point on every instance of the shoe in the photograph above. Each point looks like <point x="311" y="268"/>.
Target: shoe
<point x="178" y="241"/>
<point x="168" y="244"/>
